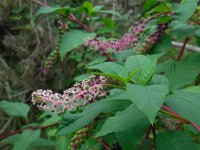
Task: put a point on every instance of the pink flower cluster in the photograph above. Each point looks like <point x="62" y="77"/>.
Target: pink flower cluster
<point x="78" y="95"/>
<point x="120" y="44"/>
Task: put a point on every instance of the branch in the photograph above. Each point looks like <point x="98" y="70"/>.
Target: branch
<point x="187" y="46"/>
<point x="182" y="49"/>
<point x="29" y="128"/>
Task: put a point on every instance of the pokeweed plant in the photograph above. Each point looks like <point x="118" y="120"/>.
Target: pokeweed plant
<point x="140" y="101"/>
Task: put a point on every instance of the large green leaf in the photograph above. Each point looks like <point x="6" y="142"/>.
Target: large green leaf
<point x="26" y="139"/>
<point x="73" y="39"/>
<point x="144" y="65"/>
<point x="182" y="30"/>
<point x="162" y="8"/>
<point x="187" y="104"/>
<point x="189" y="5"/>
<point x="175" y="140"/>
<point x="62" y="142"/>
<point x="184" y="72"/>
<point x="15" y="108"/>
<point x="88" y="7"/>
<point x="148" y="4"/>
<point x="148" y="99"/>
<point x="53" y="119"/>
<point x="129" y="126"/>
<point x="74" y="122"/>
<point x="41" y="142"/>
<point x="55" y="10"/>
<point x="193" y="89"/>
<point x="112" y="68"/>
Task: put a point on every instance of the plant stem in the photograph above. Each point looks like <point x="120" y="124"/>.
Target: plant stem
<point x="182" y="48"/>
<point x="102" y="142"/>
<point x="29" y="128"/>
<point x="170" y="112"/>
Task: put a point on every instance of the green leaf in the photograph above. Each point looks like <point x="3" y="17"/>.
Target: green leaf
<point x="88" y="7"/>
<point x="164" y="66"/>
<point x="14" y="108"/>
<point x="144" y="65"/>
<point x="12" y="139"/>
<point x="41" y="142"/>
<point x="129" y="126"/>
<point x="175" y="140"/>
<point x="108" y="23"/>
<point x="112" y="68"/>
<point x="53" y="119"/>
<point x="148" y="99"/>
<point x="26" y="139"/>
<point x="181" y="29"/>
<point x="159" y="79"/>
<point x="148" y="4"/>
<point x="55" y="10"/>
<point x="81" y="77"/>
<point x="193" y="89"/>
<point x="110" y="12"/>
<point x="74" y="122"/>
<point x="62" y="142"/>
<point x="162" y="8"/>
<point x="184" y="72"/>
<point x="98" y="60"/>
<point x="187" y="104"/>
<point x="73" y="39"/>
<point x="189" y="5"/>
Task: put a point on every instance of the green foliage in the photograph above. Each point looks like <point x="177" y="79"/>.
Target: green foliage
<point x="148" y="96"/>
<point x="73" y="39"/>
<point x="26" y="139"/>
<point x="15" y="108"/>
<point x="181" y="99"/>
<point x="145" y="67"/>
<point x="74" y="122"/>
<point x="184" y="72"/>
<point x="175" y="141"/>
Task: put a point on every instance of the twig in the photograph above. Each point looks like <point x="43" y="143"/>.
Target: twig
<point x="29" y="128"/>
<point x="182" y="49"/>
<point x="148" y="132"/>
<point x="40" y="3"/>
<point x="187" y="46"/>
<point x="6" y="125"/>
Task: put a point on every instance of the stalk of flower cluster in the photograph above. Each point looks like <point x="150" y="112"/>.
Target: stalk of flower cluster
<point x="127" y="40"/>
<point x="55" y="54"/>
<point x="153" y="38"/>
<point x="130" y="39"/>
<point x="78" y="95"/>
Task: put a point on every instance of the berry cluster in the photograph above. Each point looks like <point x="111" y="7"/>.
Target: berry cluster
<point x="55" y="55"/>
<point x="78" y="95"/>
<point x="80" y="136"/>
<point x="153" y="38"/>
<point x="129" y="38"/>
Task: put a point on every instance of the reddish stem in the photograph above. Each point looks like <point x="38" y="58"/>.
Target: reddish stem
<point x="182" y="48"/>
<point x="29" y="128"/>
<point x="105" y="145"/>
<point x="176" y="114"/>
<point x="73" y="18"/>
